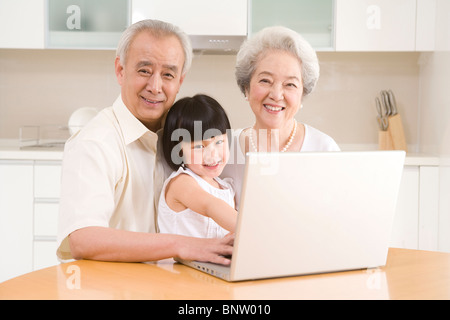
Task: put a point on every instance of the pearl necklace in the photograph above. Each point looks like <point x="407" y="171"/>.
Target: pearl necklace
<point x="286" y="147"/>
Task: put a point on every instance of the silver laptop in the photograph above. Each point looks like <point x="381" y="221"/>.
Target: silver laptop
<point x="308" y="213"/>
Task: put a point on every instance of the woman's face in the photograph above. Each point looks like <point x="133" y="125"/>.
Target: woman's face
<point x="276" y="89"/>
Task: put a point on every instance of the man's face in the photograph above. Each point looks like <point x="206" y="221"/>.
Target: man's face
<point x="151" y="77"/>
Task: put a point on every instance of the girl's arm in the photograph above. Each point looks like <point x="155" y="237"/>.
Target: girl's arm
<point x="184" y="192"/>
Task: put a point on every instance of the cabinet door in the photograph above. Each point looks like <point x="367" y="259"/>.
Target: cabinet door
<point x="22" y="24"/>
<point x="47" y="180"/>
<point x="47" y="185"/>
<point x="429" y="208"/>
<point x="404" y="231"/>
<point x="86" y="24"/>
<point x="312" y="19"/>
<point x="426" y="25"/>
<point x="16" y="218"/>
<point x="375" y="25"/>
<point x="196" y="17"/>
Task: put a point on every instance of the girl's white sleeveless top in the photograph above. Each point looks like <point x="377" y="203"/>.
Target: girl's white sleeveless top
<point x="188" y="222"/>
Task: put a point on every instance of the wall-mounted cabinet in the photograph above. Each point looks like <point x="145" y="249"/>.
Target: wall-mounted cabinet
<point x="375" y="25"/>
<point x="352" y="25"/>
<point x="93" y="24"/>
<point x="340" y="25"/>
<point x="22" y="23"/>
<point x="211" y="24"/>
<point x="385" y="25"/>
<point x="314" y="20"/>
<point x="196" y="17"/>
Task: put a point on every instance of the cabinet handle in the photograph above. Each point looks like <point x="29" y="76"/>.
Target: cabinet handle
<point x="45" y="238"/>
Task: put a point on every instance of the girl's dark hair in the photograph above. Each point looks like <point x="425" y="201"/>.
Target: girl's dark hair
<point x="199" y="117"/>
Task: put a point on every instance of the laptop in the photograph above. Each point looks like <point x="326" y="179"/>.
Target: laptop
<point x="308" y="213"/>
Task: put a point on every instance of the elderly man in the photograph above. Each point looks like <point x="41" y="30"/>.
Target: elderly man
<point x="112" y="170"/>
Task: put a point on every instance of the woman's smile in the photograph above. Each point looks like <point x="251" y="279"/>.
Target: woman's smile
<point x="273" y="108"/>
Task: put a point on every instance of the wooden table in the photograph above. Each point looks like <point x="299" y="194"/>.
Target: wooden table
<point x="409" y="274"/>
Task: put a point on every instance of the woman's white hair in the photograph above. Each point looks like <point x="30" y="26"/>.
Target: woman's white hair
<point x="276" y="38"/>
<point x="158" y="29"/>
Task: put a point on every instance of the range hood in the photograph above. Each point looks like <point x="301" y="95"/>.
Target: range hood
<point x="203" y="44"/>
<point x="214" y="26"/>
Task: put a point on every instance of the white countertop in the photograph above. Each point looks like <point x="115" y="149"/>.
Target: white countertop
<point x="10" y="150"/>
<point x="421" y="160"/>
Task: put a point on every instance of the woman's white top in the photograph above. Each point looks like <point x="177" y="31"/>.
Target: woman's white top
<point x="314" y="141"/>
<point x="188" y="222"/>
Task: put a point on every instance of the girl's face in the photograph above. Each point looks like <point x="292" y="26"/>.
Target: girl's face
<point x="206" y="158"/>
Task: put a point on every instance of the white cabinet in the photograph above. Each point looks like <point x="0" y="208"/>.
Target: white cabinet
<point x="375" y="25"/>
<point x="404" y="233"/>
<point x="352" y="25"/>
<point x="16" y="218"/>
<point x="47" y="181"/>
<point x="416" y="223"/>
<point x="429" y="208"/>
<point x="22" y="23"/>
<point x="47" y="176"/>
<point x="312" y="19"/>
<point x="426" y="25"/>
<point x="29" y="200"/>
<point x="196" y="17"/>
<point x="84" y="24"/>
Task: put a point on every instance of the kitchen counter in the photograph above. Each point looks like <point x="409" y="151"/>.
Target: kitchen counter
<point x="414" y="159"/>
<point x="10" y="150"/>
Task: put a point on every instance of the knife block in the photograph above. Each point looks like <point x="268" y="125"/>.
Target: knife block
<point x="397" y="133"/>
<point x="384" y="140"/>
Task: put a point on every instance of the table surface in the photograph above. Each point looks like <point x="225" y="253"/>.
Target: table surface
<point x="408" y="274"/>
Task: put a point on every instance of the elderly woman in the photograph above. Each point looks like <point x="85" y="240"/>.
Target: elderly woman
<point x="275" y="69"/>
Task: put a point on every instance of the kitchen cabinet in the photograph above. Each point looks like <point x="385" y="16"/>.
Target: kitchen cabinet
<point x="16" y="218"/>
<point x="428" y="208"/>
<point x="22" y="23"/>
<point x="314" y="20"/>
<point x="375" y="25"/>
<point x="86" y="24"/>
<point x="196" y="17"/>
<point x="47" y="180"/>
<point x="416" y="223"/>
<point x="385" y="25"/>
<point x="406" y="221"/>
<point x="212" y="25"/>
<point x="29" y="201"/>
<point x="426" y="25"/>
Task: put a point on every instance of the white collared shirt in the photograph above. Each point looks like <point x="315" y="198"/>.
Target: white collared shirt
<point x="112" y="176"/>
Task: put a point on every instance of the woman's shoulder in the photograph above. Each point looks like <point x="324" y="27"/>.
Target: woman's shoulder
<point x="316" y="140"/>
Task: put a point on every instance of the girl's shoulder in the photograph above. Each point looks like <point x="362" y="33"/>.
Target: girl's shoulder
<point x="184" y="179"/>
<point x="181" y="176"/>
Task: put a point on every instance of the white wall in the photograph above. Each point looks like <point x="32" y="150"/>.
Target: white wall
<point x="45" y="86"/>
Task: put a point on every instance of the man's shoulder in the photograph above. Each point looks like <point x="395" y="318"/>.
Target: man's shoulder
<point x="102" y="126"/>
<point x="102" y="130"/>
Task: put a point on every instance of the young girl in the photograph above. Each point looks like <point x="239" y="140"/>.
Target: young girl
<point x="194" y="200"/>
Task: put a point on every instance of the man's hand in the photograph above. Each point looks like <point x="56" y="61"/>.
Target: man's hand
<point x="209" y="250"/>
